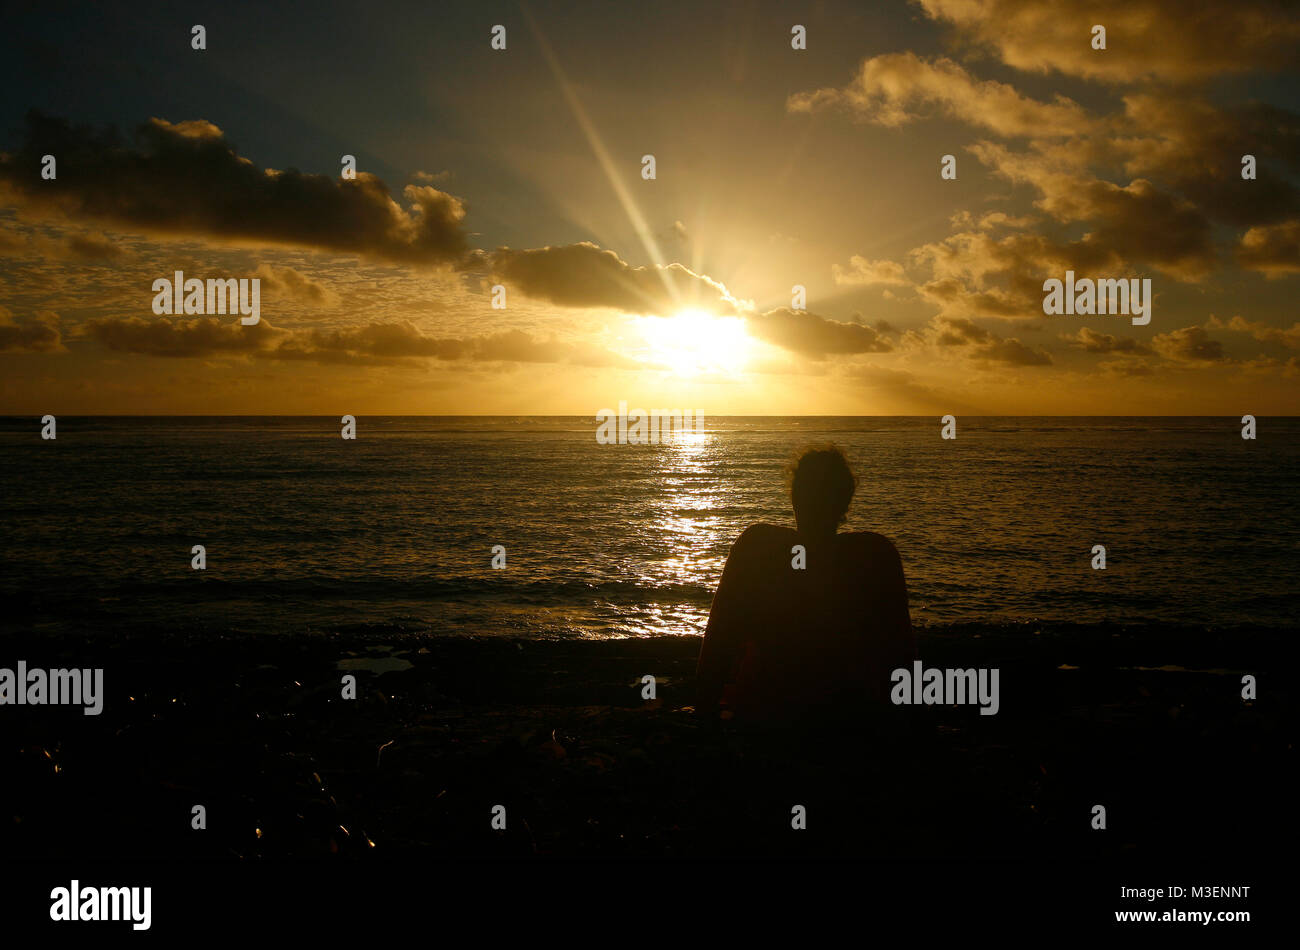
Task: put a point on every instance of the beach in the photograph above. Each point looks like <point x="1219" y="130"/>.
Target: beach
<point x="1149" y="724"/>
<point x="504" y="713"/>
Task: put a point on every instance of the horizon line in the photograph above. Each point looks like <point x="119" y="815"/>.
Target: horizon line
<point x="592" y="416"/>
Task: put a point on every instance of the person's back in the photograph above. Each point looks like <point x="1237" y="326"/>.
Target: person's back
<point x="806" y="621"/>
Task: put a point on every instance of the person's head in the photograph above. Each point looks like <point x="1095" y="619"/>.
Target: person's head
<point x="821" y="487"/>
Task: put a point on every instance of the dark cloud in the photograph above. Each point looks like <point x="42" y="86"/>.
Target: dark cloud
<point x="1142" y="223"/>
<point x="194" y="337"/>
<point x="1011" y="350"/>
<point x="375" y="343"/>
<point x="398" y="340"/>
<point x="1189" y="345"/>
<point x="1125" y="368"/>
<point x="40" y="334"/>
<point x="1179" y="40"/>
<point x="978" y="344"/>
<point x="12" y="243"/>
<point x="1137" y="222"/>
<point x="958" y="331"/>
<point x="186" y="179"/>
<point x="1197" y="147"/>
<point x="84" y="247"/>
<point x="1272" y="249"/>
<point x="814" y="336"/>
<point x="1094" y="342"/>
<point x="584" y="275"/>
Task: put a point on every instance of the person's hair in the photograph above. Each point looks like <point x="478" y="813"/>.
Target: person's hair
<point x="821" y="487"/>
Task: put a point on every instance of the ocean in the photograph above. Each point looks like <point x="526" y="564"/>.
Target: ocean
<point x="392" y="534"/>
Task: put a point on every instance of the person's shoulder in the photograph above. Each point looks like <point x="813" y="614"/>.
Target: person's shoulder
<point x="868" y="542"/>
<point x="763" y="534"/>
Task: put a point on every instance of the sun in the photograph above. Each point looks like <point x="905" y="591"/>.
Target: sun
<point x="695" y="343"/>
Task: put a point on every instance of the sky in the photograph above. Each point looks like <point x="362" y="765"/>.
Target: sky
<point x="502" y="250"/>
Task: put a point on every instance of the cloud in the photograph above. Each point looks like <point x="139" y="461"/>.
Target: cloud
<point x="40" y="334"/>
<point x="892" y="89"/>
<point x="1011" y="350"/>
<point x="954" y="297"/>
<point x="1125" y="368"/>
<point x="583" y="275"/>
<point x="904" y="389"/>
<point x="186" y="179"/>
<point x="1095" y="342"/>
<point x="12" y="243"/>
<point x="194" y="337"/>
<point x="287" y="282"/>
<point x="1271" y="249"/>
<point x="976" y="274"/>
<point x="1189" y="345"/>
<point x="1178" y="40"/>
<point x="84" y="247"/>
<point x="814" y="336"/>
<point x="863" y="271"/>
<point x="374" y="343"/>
<point x="958" y="331"/>
<point x="1137" y="221"/>
<point x="1197" y="147"/>
<point x="401" y="341"/>
<point x="1289" y="338"/>
<point x="988" y="221"/>
<point x="80" y="247"/>
<point x="517" y="346"/>
<point x="976" y="342"/>
<point x="429" y="178"/>
<point x="1179" y="156"/>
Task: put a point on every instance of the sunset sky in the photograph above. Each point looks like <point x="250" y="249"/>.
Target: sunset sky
<point x="775" y="167"/>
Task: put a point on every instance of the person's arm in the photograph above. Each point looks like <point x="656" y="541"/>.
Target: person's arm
<point x="890" y="642"/>
<point x="896" y="618"/>
<point x="724" y="635"/>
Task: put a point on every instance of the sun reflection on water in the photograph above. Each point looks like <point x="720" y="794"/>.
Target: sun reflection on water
<point x="686" y="534"/>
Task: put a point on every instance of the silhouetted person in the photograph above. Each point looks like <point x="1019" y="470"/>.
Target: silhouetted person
<point x="784" y="643"/>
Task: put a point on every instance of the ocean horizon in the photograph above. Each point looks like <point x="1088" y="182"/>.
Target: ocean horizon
<point x="393" y="533"/>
